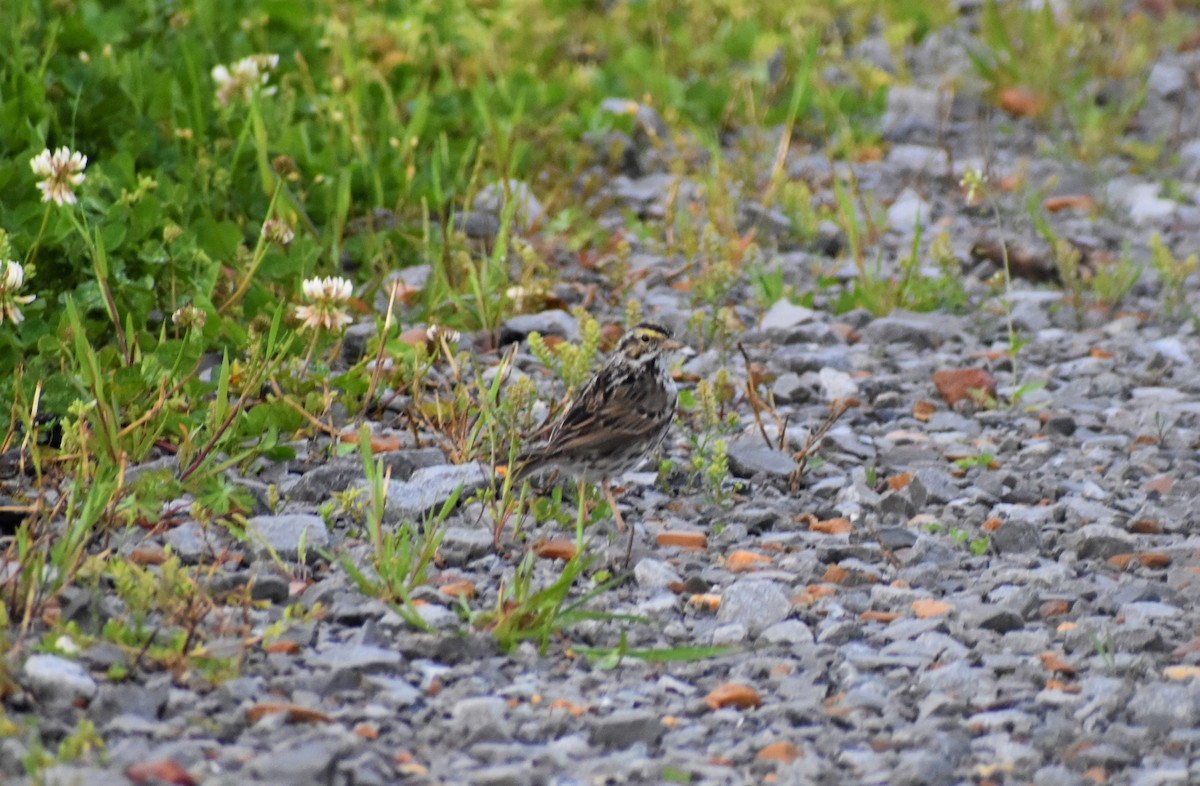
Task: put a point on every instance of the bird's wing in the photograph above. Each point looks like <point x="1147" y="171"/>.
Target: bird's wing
<point x="608" y="412"/>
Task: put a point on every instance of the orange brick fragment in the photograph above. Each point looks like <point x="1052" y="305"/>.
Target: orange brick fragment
<point x="160" y="771"/>
<point x="1065" y="687"/>
<point x="148" y="556"/>
<point x="1022" y="101"/>
<point x="295" y="713"/>
<point x="956" y="384"/>
<point x="682" y="539"/>
<point x="1056" y="664"/>
<point x="834" y="707"/>
<point x="381" y="443"/>
<point x="559" y="548"/>
<point x="803" y="599"/>
<point x="1079" y="202"/>
<point x="406" y="764"/>
<point x="574" y="710"/>
<point x="839" y="526"/>
<point x="1054" y="608"/>
<point x="733" y="694"/>
<point x="1181" y="672"/>
<point x="923" y="410"/>
<point x="706" y="601"/>
<point x="928" y="607"/>
<point x="898" y="482"/>
<point x="743" y="561"/>
<point x="282" y="647"/>
<point x="835" y="574"/>
<point x="878" y="616"/>
<point x="458" y="589"/>
<point x="1149" y="559"/>
<point x="782" y="752"/>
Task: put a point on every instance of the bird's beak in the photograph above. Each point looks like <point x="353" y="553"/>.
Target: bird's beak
<point x="671" y="345"/>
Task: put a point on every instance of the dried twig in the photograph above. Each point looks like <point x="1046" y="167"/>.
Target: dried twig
<point x="757" y="405"/>
<point x="836" y="410"/>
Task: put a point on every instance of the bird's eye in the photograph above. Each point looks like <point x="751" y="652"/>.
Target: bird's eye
<point x="645" y="338"/>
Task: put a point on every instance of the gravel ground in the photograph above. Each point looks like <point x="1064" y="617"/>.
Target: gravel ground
<point x="954" y="594"/>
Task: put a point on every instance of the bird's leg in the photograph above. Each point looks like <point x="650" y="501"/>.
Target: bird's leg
<point x="620" y="521"/>
<point x="579" y="515"/>
<point x="612" y="503"/>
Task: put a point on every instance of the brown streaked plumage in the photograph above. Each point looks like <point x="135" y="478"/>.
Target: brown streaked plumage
<point x="619" y="417"/>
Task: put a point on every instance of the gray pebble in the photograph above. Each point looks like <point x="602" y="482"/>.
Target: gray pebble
<point x="747" y="459"/>
<point x="191" y="541"/>
<point x="788" y="632"/>
<point x="481" y="719"/>
<point x="754" y="603"/>
<point x="923" y="331"/>
<point x="461" y="545"/>
<point x="320" y="483"/>
<point x="623" y="728"/>
<point x="1164" y="706"/>
<point x="284" y="535"/>
<point x="653" y="573"/>
<point x="301" y="762"/>
<point x="430" y="487"/>
<point x="55" y="679"/>
<point x="1099" y="541"/>
<point x="784" y="315"/>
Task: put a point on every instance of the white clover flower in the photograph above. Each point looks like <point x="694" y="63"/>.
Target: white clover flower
<point x="278" y="232"/>
<point x="60" y="171"/>
<point x="434" y="332"/>
<point x="11" y="281"/>
<point x="244" y="78"/>
<point x="189" y="318"/>
<point x="328" y="296"/>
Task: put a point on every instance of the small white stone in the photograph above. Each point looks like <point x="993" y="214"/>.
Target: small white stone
<point x="908" y="211"/>
<point x="837" y="385"/>
<point x="54" y="677"/>
<point x="784" y="314"/>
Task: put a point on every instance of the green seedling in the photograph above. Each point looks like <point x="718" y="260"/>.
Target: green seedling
<point x="607" y="659"/>
<point x="1173" y="272"/>
<point x="528" y="614"/>
<point x="983" y="460"/>
<point x="400" y="557"/>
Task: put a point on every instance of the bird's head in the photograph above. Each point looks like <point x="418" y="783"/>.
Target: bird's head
<point x="646" y="342"/>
